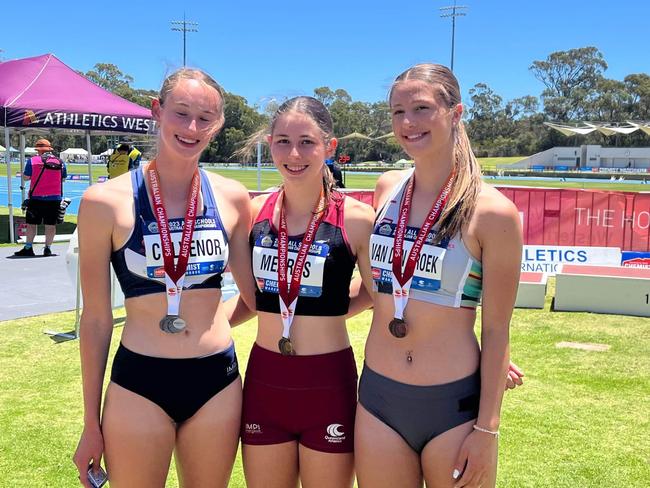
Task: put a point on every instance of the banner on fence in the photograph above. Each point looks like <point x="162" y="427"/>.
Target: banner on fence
<point x="547" y="259"/>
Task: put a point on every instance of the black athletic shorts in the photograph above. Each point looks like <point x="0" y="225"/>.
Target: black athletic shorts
<point x="42" y="212"/>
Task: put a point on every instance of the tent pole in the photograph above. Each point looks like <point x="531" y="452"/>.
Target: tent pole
<point x="22" y="165"/>
<point x="90" y="158"/>
<point x="9" y="192"/>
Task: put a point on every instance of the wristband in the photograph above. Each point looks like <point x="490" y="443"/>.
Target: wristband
<point x="495" y="433"/>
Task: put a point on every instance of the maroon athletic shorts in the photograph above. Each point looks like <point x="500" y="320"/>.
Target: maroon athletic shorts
<point x="309" y="399"/>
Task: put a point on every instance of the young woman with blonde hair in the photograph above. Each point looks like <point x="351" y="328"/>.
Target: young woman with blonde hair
<point x="429" y="395"/>
<point x="169" y="229"/>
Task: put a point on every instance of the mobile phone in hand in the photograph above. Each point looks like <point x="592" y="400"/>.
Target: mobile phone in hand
<point x="99" y="479"/>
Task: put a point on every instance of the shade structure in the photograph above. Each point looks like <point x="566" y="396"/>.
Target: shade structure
<point x="385" y="136"/>
<point x="569" y="130"/>
<point x="355" y="135"/>
<point x="607" y="129"/>
<point x="42" y="93"/>
<point x="610" y="130"/>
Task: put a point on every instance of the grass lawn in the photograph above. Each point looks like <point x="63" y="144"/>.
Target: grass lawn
<point x="358" y="180"/>
<point x="491" y="163"/>
<point x="581" y="420"/>
<point x="364" y="181"/>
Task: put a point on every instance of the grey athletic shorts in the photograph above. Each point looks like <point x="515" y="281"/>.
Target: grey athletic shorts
<point x="419" y="413"/>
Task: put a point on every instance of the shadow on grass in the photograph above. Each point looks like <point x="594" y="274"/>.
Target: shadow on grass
<point x="66" y="227"/>
<point x="60" y="337"/>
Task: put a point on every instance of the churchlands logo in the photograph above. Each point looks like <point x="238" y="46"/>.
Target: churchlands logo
<point x="253" y="428"/>
<point x="335" y="434"/>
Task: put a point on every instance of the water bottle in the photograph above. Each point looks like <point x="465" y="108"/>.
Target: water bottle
<point x="62" y="208"/>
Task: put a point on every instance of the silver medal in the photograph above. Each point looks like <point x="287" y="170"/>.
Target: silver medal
<point x="172" y="324"/>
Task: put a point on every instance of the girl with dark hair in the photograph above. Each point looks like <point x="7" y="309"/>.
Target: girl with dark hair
<point x="169" y="229"/>
<point x="300" y="390"/>
<point x="429" y="396"/>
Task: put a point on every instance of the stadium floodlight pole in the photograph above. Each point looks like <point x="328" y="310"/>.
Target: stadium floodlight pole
<point x="453" y="12"/>
<point x="184" y="26"/>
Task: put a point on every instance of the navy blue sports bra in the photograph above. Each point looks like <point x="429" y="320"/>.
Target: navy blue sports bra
<point x="139" y="265"/>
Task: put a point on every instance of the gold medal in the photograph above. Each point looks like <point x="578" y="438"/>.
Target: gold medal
<point x="286" y="348"/>
<point x="398" y="328"/>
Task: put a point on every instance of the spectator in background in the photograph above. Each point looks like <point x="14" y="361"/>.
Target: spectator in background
<point x="119" y="161"/>
<point x="336" y="172"/>
<point x="135" y="157"/>
<point x="46" y="173"/>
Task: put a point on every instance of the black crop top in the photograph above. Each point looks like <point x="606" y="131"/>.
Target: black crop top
<point x="324" y="289"/>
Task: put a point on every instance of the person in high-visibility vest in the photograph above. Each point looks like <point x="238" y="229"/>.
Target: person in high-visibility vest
<point x="134" y="158"/>
<point x="118" y="162"/>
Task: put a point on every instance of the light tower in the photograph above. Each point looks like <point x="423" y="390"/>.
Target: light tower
<point x="453" y="12"/>
<point x="184" y="26"/>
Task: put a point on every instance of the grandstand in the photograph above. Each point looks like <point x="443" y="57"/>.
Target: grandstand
<point x="588" y="158"/>
<point x="592" y="157"/>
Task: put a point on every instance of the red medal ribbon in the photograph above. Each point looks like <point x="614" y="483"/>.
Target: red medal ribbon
<point x="289" y="291"/>
<point x="403" y="278"/>
<point x="174" y="272"/>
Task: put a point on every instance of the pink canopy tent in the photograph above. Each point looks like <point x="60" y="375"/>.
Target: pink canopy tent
<point x="42" y="93"/>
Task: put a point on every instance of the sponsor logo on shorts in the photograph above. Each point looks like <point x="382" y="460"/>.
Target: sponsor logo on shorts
<point x="335" y="434"/>
<point x="252" y="428"/>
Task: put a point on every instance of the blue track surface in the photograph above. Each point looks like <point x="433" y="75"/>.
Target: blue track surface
<point x="71" y="189"/>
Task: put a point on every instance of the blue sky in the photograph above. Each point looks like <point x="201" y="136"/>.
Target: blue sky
<point x="284" y="48"/>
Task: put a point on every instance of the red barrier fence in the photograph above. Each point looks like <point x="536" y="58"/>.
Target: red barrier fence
<point x="568" y="217"/>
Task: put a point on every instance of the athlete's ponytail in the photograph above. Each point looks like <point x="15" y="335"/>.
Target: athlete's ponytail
<point x="467" y="181"/>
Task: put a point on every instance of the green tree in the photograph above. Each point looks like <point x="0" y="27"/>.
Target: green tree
<point x="110" y="77"/>
<point x="611" y="102"/>
<point x="570" y="78"/>
<point x="325" y="95"/>
<point x="638" y="86"/>
<point x="240" y="122"/>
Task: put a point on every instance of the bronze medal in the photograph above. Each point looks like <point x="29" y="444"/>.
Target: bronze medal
<point x="398" y="328"/>
<point x="286" y="348"/>
<point x="172" y="324"/>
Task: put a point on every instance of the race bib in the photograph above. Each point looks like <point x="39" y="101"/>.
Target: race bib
<point x="208" y="251"/>
<point x="265" y="265"/>
<point x="428" y="270"/>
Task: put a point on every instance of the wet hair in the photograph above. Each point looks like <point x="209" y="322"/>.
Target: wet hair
<point x="317" y="112"/>
<point x="467" y="181"/>
<point x="192" y="74"/>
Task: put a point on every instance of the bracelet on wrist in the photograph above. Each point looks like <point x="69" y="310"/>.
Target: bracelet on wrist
<point x="495" y="433"/>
